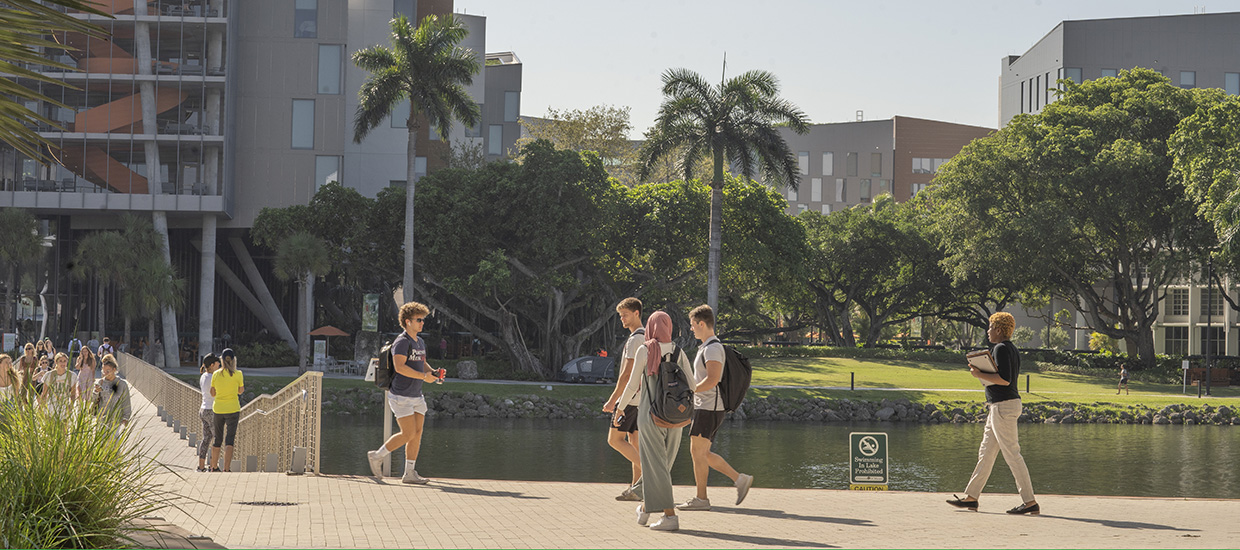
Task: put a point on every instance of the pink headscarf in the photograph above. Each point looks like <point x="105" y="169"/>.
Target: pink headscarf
<point x="659" y="329"/>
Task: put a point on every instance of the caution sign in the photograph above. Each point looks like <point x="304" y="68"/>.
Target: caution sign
<point x="867" y="461"/>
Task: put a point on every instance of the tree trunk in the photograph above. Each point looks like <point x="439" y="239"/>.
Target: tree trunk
<point x="128" y="336"/>
<point x="10" y="308"/>
<point x="714" y="257"/>
<point x="172" y="357"/>
<point x="100" y="318"/>
<point x="411" y="178"/>
<point x="305" y="317"/>
<point x="148" y="353"/>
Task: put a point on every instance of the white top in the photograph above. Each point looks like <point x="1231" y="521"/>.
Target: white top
<point x="635" y="342"/>
<point x="60" y="383"/>
<point x="707" y="400"/>
<point x="204" y="384"/>
<point x="632" y="390"/>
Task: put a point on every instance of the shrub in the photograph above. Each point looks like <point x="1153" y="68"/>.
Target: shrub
<point x="271" y="354"/>
<point x="69" y="479"/>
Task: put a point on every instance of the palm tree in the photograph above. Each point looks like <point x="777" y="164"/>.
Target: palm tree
<point x="102" y="254"/>
<point x="150" y="288"/>
<point x="21" y="244"/>
<point x="429" y="68"/>
<point x="303" y="257"/>
<point x="732" y="122"/>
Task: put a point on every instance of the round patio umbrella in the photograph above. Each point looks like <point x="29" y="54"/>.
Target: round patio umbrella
<point x="327" y="332"/>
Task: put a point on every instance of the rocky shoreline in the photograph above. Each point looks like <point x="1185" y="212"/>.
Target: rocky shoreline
<point x="356" y="401"/>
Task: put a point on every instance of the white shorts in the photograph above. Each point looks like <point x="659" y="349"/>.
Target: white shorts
<point x="405" y="406"/>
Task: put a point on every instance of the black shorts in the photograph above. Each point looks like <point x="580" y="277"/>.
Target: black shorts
<point x="1123" y="381"/>
<point x="706" y="423"/>
<point x="628" y="420"/>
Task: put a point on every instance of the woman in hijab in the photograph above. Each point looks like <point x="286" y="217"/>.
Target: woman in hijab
<point x="657" y="445"/>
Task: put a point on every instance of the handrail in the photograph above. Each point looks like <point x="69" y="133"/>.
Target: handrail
<point x="261" y="431"/>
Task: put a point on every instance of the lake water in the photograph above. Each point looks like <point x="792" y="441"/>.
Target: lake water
<point x="1073" y="459"/>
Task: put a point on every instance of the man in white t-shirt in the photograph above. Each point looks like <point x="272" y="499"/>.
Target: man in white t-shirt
<point x="708" y="412"/>
<point x="622" y="435"/>
<point x="106" y="348"/>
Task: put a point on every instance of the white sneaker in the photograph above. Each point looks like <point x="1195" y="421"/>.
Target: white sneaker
<point x="666" y="523"/>
<point x="743" y="482"/>
<point x="376" y="463"/>
<point x="642" y="516"/>
<point x="695" y="503"/>
<point x="411" y="476"/>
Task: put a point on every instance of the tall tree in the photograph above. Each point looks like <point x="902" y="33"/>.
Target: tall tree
<point x="427" y="67"/>
<point x="20" y="244"/>
<point x="732" y="122"/>
<point x="302" y="257"/>
<point x="102" y="254"/>
<point x="603" y="129"/>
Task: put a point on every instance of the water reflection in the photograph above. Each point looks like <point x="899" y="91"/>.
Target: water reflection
<point x="1085" y="459"/>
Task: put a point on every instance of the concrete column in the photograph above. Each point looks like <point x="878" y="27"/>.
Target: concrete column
<point x="1194" y="315"/>
<point x="260" y="289"/>
<point x="206" y="292"/>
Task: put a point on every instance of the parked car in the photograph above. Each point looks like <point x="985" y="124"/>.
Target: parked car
<point x="590" y="369"/>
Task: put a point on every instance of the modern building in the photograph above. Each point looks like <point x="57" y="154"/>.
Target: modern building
<point x="849" y="163"/>
<point x="1194" y="51"/>
<point x="209" y="111"/>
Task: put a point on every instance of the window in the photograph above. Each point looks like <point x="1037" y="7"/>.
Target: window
<point x="1073" y="74"/>
<point x="801" y="208"/>
<point x="828" y="164"/>
<point x="937" y="163"/>
<point x="475" y="130"/>
<point x="876" y="164"/>
<point x="1216" y="340"/>
<point x="922" y="166"/>
<point x="1207" y="308"/>
<point x="303" y="124"/>
<point x="398" y="183"/>
<point x="329" y="69"/>
<point x="840" y="195"/>
<point x="1178" y="302"/>
<point x="1046" y="89"/>
<point x="1022" y="96"/>
<point x="826" y="209"/>
<point x="1110" y="73"/>
<point x="1188" y="79"/>
<point x="803" y="162"/>
<point x="400" y="114"/>
<point x="864" y="192"/>
<point x="1037" y="85"/>
<point x="815" y="190"/>
<point x="851" y="165"/>
<point x="326" y="170"/>
<point x="495" y="139"/>
<point x="884" y="186"/>
<point x="792" y="195"/>
<point x="1175" y="341"/>
<point x="512" y="106"/>
<point x="306" y="19"/>
<point x="1231" y="83"/>
<point x="917" y="188"/>
<point x="419" y="166"/>
<point x="407" y="8"/>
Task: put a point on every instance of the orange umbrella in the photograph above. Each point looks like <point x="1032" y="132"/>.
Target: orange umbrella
<point x="327" y="331"/>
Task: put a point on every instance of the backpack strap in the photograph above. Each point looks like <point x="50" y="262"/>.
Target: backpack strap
<point x="640" y="330"/>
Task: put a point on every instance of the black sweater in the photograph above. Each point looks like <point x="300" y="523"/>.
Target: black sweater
<point x="1009" y="369"/>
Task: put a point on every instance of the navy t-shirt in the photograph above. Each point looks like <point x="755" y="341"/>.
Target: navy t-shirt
<point x="1009" y="369"/>
<point x="415" y="358"/>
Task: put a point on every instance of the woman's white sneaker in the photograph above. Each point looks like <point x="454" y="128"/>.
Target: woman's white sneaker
<point x="666" y="523"/>
<point x="642" y="516"/>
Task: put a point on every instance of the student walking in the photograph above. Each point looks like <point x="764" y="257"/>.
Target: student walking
<point x="227" y="385"/>
<point x="405" y="394"/>
<point x="106" y="347"/>
<point x="110" y="394"/>
<point x="59" y="385"/>
<point x="210" y="364"/>
<point x="9" y="379"/>
<point x="1004" y="408"/>
<point x="658" y="445"/>
<point x="622" y="403"/>
<point x="27" y="366"/>
<point x="85" y="367"/>
<point x="1123" y="380"/>
<point x="708" y="412"/>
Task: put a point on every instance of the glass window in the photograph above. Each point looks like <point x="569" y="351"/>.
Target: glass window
<point x="815" y="190"/>
<point x="826" y="209"/>
<point x="864" y="192"/>
<point x="1037" y="87"/>
<point x="1212" y="340"/>
<point x="1211" y="307"/>
<point x="475" y="130"/>
<point x="512" y="106"/>
<point x="1046" y="90"/>
<point x="840" y="195"/>
<point x="329" y="69"/>
<point x="1178" y="300"/>
<point x="850" y="165"/>
<point x="1073" y="74"/>
<point x="1175" y="341"/>
<point x="876" y="164"/>
<point x="921" y="166"/>
<point x="884" y="186"/>
<point x="303" y="123"/>
<point x="1231" y="83"/>
<point x="803" y="163"/>
<point x="495" y="139"/>
<point x="326" y="170"/>
<point x="792" y="194"/>
<point x="419" y="166"/>
<point x="1188" y="79"/>
<point x="398" y="183"/>
<point x="400" y="114"/>
<point x="1109" y="73"/>
<point x="917" y="188"/>
<point x="408" y="8"/>
<point x="801" y="208"/>
<point x="937" y="163"/>
<point x="306" y="19"/>
<point x="1022" y="96"/>
<point x="828" y="164"/>
<point x="432" y="132"/>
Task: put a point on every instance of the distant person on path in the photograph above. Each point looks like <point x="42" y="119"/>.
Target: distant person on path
<point x="9" y="379"/>
<point x="405" y="395"/>
<point x="227" y="385"/>
<point x="708" y="412"/>
<point x="106" y="348"/>
<point x="27" y="364"/>
<point x="85" y="367"/>
<point x="92" y="344"/>
<point x="210" y="364"/>
<point x="658" y="445"/>
<point x="1004" y="408"/>
<point x="622" y="403"/>
<point x="443" y="348"/>
<point x="110" y="394"/>
<point x="59" y="384"/>
<point x="40" y="349"/>
<point x="1123" y="379"/>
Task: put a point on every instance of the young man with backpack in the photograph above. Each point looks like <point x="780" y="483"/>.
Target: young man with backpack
<point x="622" y="435"/>
<point x="708" y="412"/>
<point x="404" y="395"/>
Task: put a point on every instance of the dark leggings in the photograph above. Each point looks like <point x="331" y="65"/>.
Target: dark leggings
<point x="225" y="422"/>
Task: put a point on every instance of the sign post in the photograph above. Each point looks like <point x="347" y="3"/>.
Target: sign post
<point x="867" y="461"/>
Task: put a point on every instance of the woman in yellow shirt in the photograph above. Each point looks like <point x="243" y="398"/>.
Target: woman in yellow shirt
<point x="227" y="385"/>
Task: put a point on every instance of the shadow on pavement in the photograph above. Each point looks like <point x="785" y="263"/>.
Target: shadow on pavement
<point x="1119" y="524"/>
<point x="484" y="493"/>
<point x="780" y="514"/>
<point x="445" y="486"/>
<point x="757" y="541"/>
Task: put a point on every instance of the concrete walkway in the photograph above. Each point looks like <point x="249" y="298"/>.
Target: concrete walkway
<point x="266" y="510"/>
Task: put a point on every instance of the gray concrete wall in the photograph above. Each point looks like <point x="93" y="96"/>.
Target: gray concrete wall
<point x="863" y="138"/>
<point x="499" y="80"/>
<point x="1034" y="72"/>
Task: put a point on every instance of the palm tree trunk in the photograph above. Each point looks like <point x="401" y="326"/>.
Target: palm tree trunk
<point x="714" y="257"/>
<point x="305" y="317"/>
<point x="10" y="308"/>
<point x="411" y="177"/>
<point x="100" y="303"/>
<point x="148" y="353"/>
<point x="128" y="337"/>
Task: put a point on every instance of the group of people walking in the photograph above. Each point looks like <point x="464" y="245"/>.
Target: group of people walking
<point x="42" y="375"/>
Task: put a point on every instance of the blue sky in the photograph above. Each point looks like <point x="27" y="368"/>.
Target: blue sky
<point x="937" y="60"/>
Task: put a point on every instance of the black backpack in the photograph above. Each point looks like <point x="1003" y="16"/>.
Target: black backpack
<point x="671" y="403"/>
<point x="385" y="372"/>
<point x="734" y="382"/>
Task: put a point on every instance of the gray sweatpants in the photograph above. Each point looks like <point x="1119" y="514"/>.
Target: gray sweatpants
<point x="657" y="449"/>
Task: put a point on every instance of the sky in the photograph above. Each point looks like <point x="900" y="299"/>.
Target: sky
<point x="938" y="60"/>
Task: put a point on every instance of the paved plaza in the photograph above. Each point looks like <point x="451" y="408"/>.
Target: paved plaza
<point x="344" y="511"/>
